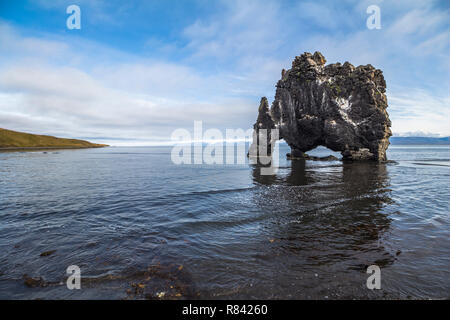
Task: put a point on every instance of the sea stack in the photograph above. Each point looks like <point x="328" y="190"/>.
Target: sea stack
<point x="338" y="106"/>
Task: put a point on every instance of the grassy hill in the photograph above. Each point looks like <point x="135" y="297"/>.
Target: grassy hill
<point x="17" y="140"/>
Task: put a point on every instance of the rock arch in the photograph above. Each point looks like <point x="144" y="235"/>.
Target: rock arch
<point x="341" y="107"/>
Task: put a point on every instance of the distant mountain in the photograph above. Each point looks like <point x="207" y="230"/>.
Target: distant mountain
<point x="18" y="140"/>
<point x="419" y="140"/>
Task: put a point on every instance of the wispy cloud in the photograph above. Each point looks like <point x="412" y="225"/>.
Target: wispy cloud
<point x="414" y="109"/>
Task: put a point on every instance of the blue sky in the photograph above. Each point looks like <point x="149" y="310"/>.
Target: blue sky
<point x="137" y="70"/>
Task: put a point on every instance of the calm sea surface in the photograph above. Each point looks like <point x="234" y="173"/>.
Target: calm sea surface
<point x="139" y="226"/>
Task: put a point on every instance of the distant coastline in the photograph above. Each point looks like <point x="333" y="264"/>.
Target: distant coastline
<point x="419" y="140"/>
<point x="19" y="141"/>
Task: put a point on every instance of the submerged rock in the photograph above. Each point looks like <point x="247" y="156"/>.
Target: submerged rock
<point x="168" y="282"/>
<point x="47" y="253"/>
<point x="34" y="282"/>
<point x="341" y="107"/>
<point x="305" y="156"/>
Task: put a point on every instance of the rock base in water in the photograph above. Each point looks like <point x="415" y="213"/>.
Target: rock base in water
<point x="305" y="156"/>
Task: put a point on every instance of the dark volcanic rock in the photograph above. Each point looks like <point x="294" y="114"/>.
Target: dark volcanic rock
<point x="47" y="253"/>
<point x="34" y="282"/>
<point x="341" y="107"/>
<point x="262" y="131"/>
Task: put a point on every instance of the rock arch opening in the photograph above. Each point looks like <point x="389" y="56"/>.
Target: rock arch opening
<point x="319" y="153"/>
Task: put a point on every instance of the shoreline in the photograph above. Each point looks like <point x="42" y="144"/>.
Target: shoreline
<point x="48" y="148"/>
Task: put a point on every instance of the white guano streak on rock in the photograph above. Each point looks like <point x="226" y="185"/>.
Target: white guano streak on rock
<point x="324" y="97"/>
<point x="344" y="108"/>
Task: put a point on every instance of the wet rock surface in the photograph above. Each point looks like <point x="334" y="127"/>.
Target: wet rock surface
<point x="161" y="282"/>
<point x="34" y="282"/>
<point x="338" y="106"/>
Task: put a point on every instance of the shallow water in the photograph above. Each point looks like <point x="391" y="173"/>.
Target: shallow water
<point x="138" y="225"/>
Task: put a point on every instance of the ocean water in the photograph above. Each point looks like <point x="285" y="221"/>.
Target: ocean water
<point x="140" y="227"/>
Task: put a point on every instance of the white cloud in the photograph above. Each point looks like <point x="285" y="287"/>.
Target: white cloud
<point x="13" y="44"/>
<point x="87" y="106"/>
<point x="415" y="109"/>
<point x="419" y="21"/>
<point x="79" y="88"/>
<point x="243" y="29"/>
<point x="417" y="134"/>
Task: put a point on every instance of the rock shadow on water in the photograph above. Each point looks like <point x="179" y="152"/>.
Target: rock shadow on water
<point x="330" y="215"/>
<point x="298" y="175"/>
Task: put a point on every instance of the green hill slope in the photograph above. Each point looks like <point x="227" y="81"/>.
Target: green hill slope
<point x="16" y="140"/>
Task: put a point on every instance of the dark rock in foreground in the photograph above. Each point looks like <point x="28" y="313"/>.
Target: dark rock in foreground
<point x="34" y="282"/>
<point x="341" y="107"/>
